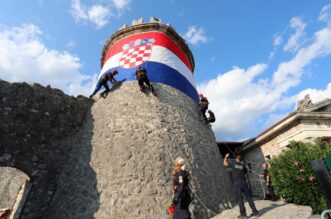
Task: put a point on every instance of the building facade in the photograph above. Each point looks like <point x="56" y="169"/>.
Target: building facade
<point x="308" y="122"/>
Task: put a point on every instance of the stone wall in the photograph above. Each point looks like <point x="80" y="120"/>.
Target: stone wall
<point x="36" y="123"/>
<point x="11" y="181"/>
<point x="111" y="160"/>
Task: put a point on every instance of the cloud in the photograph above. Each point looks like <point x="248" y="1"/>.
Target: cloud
<point x="316" y="95"/>
<point x="195" y="35"/>
<point x="239" y="101"/>
<point x="325" y="14"/>
<point x="96" y="14"/>
<point x="24" y="57"/>
<point x="295" y="41"/>
<point x="99" y="15"/>
<point x="273" y="118"/>
<point x="121" y="4"/>
<point x="240" y="96"/>
<point x="70" y="44"/>
<point x="289" y="73"/>
<point x="278" y="40"/>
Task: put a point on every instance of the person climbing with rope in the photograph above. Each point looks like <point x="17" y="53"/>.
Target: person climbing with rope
<point x="182" y="197"/>
<point x="141" y="76"/>
<point x="238" y="173"/>
<point x="103" y="82"/>
<point x="203" y="104"/>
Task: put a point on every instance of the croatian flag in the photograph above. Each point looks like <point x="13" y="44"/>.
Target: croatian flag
<point x="164" y="60"/>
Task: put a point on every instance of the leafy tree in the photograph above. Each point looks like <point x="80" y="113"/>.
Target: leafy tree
<point x="293" y="177"/>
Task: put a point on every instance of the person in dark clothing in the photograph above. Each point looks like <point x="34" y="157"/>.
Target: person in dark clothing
<point x="182" y="197"/>
<point x="203" y="105"/>
<point x="141" y="76"/>
<point x="103" y="82"/>
<point x="240" y="185"/>
<point x="271" y="193"/>
<point x="211" y="117"/>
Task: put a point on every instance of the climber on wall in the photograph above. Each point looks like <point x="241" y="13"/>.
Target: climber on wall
<point x="103" y="82"/>
<point x="211" y="117"/>
<point x="203" y="105"/>
<point x="182" y="197"/>
<point x="141" y="76"/>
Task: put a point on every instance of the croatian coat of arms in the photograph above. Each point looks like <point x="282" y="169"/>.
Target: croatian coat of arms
<point x="136" y="52"/>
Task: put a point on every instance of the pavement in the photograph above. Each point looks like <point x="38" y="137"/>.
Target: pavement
<point x="272" y="210"/>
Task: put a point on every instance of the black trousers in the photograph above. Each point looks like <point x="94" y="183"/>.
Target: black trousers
<point x="181" y="208"/>
<point x="145" y="80"/>
<point x="203" y="110"/>
<point x="240" y="189"/>
<point x="99" y="85"/>
<point x="271" y="192"/>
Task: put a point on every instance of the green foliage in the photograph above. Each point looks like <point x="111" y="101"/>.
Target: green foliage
<point x="292" y="175"/>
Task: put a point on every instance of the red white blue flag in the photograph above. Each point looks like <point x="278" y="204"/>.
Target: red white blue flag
<point x="164" y="60"/>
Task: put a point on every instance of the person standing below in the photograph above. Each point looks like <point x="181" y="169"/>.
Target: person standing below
<point x="203" y="105"/>
<point x="141" y="76"/>
<point x="103" y="82"/>
<point x="271" y="193"/>
<point x="240" y="185"/>
<point x="182" y="197"/>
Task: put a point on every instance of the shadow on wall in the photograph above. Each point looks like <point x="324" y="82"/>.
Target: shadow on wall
<point x="76" y="194"/>
<point x="47" y="135"/>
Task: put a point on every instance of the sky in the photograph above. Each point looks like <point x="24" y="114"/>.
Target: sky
<point x="254" y="58"/>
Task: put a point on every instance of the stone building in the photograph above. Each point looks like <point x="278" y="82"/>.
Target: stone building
<point x="308" y="122"/>
<point x="113" y="158"/>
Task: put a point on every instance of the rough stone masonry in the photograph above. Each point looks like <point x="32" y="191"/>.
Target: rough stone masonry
<point x="108" y="159"/>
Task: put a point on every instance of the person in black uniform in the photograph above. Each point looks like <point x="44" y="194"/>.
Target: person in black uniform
<point x="211" y="117"/>
<point x="103" y="82"/>
<point x="240" y="185"/>
<point x="182" y="197"/>
<point x="271" y="193"/>
<point x="203" y="104"/>
<point x="141" y="76"/>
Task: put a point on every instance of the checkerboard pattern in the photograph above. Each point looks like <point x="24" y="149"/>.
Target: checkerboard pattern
<point x="135" y="56"/>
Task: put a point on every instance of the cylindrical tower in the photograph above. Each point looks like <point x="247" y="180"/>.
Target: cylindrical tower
<point x="131" y="138"/>
<point x="169" y="63"/>
<point x="158" y="48"/>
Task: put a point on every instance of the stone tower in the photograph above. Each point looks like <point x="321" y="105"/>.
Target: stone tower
<point x="113" y="158"/>
<point x="146" y="133"/>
